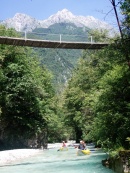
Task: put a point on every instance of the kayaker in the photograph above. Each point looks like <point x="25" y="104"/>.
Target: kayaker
<point x="82" y="145"/>
<point x="85" y="146"/>
<point x="63" y="144"/>
<point x="63" y="147"/>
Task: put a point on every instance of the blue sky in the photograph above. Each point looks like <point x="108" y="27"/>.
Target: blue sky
<point x="42" y="9"/>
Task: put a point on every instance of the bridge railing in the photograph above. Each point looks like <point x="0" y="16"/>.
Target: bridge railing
<point x="48" y="36"/>
<point x="53" y="37"/>
<point x="57" y="37"/>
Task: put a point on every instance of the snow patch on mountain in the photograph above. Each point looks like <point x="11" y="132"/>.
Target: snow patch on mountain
<point x="23" y="22"/>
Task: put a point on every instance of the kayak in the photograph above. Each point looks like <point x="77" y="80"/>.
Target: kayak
<point x="83" y="152"/>
<point x="63" y="149"/>
<point x="92" y="149"/>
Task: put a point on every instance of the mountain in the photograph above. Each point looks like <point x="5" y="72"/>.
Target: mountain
<point x="60" y="62"/>
<point x="23" y="22"/>
<point x="66" y="16"/>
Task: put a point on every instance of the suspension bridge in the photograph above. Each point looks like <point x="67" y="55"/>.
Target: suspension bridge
<point x="45" y="40"/>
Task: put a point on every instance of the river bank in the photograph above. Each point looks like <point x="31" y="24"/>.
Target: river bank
<point x="120" y="164"/>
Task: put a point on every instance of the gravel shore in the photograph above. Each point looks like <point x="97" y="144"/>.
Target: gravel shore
<point x="9" y="156"/>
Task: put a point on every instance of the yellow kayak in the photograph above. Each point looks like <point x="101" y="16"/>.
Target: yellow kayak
<point x="83" y="152"/>
<point x="63" y="149"/>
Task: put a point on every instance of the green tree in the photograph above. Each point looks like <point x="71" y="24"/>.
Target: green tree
<point x="112" y="108"/>
<point x="25" y="95"/>
<point x="100" y="35"/>
<point x="125" y="7"/>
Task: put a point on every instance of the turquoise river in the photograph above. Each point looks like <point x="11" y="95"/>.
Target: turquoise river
<point x="53" y="161"/>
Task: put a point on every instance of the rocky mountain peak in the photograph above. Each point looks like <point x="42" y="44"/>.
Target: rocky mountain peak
<point x="20" y="16"/>
<point x="22" y="22"/>
<point x="63" y="16"/>
<point x="65" y="13"/>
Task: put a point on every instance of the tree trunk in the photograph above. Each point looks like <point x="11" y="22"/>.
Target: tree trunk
<point x="78" y="133"/>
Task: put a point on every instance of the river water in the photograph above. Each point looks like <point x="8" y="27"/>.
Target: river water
<point x="53" y="161"/>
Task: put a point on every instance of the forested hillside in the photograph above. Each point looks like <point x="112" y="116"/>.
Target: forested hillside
<point x="60" y="62"/>
<point x="64" y="28"/>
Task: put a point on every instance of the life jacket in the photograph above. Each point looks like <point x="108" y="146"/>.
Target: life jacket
<point x="81" y="147"/>
<point x="64" y="145"/>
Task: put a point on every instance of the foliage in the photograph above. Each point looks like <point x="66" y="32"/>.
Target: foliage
<point x="81" y="91"/>
<point x="115" y="153"/>
<point x="125" y="7"/>
<point x="102" y="81"/>
<point x="28" y="108"/>
<point x="99" y="35"/>
<point x="57" y="130"/>
<point x="77" y="103"/>
<point x="60" y="63"/>
<point x="128" y="140"/>
<point x="25" y="96"/>
<point x="68" y="32"/>
<point x="113" y="106"/>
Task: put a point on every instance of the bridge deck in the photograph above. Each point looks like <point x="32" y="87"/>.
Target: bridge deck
<point x="50" y="44"/>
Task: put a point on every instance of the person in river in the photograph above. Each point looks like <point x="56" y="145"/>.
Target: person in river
<point x="63" y="147"/>
<point x="63" y="144"/>
<point x="82" y="145"/>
